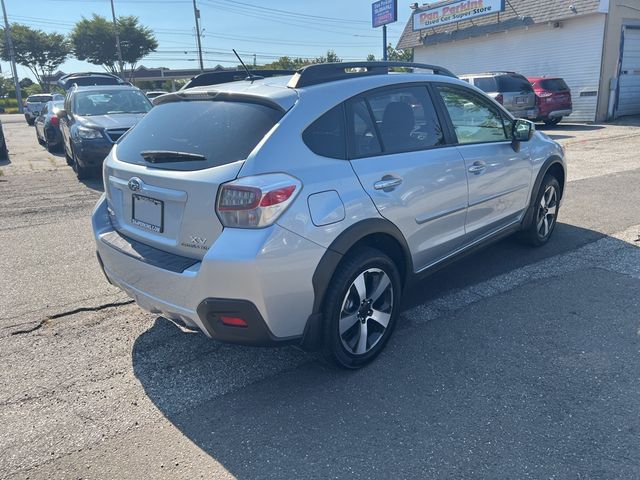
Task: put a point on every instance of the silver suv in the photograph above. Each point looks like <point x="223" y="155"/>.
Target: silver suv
<point x="510" y="89"/>
<point x="296" y="209"/>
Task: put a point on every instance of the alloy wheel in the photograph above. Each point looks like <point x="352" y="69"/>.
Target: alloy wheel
<point x="547" y="211"/>
<point x="366" y="311"/>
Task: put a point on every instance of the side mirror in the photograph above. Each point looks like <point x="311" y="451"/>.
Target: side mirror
<point x="521" y="131"/>
<point x="61" y="113"/>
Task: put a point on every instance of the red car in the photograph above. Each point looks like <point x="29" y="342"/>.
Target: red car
<point x="553" y="99"/>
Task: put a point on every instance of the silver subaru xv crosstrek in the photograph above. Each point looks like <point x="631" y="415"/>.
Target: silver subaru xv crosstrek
<point x="296" y="209"/>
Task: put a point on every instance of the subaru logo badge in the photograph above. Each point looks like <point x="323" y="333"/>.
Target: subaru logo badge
<point x="135" y="184"/>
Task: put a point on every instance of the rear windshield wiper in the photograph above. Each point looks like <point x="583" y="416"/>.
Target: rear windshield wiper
<point x="168" y="156"/>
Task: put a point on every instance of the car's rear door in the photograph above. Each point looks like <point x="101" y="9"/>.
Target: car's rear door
<point x="498" y="176"/>
<point x="415" y="178"/>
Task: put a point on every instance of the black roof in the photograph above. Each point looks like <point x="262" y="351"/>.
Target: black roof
<point x="226" y="76"/>
<point x="89" y="78"/>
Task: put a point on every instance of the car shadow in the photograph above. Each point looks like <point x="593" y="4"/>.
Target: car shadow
<point x="475" y="393"/>
<point x="569" y="127"/>
<point x="93" y="183"/>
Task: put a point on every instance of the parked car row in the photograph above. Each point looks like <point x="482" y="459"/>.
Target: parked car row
<point x="98" y="109"/>
<point x="540" y="99"/>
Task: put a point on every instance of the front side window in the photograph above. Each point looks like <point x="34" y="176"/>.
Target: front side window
<point x="474" y="119"/>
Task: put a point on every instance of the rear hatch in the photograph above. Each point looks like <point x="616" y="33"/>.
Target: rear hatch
<point x="163" y="181"/>
<point x="517" y="92"/>
<point x="559" y="90"/>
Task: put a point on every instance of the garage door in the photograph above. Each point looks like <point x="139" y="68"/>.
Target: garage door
<point x="629" y="83"/>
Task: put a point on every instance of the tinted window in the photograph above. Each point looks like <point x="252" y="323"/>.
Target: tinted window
<point x="406" y="119"/>
<point x="474" y="119"/>
<point x="513" y="83"/>
<point x="223" y="132"/>
<point x="486" y="84"/>
<point x="326" y="136"/>
<point x="39" y="98"/>
<point x="554" y="85"/>
<point x="110" y="102"/>
<point x="364" y="138"/>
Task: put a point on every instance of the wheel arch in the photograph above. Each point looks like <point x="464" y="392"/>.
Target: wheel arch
<point x="555" y="166"/>
<point x="377" y="233"/>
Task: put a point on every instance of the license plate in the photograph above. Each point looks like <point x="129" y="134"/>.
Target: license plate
<point x="521" y="100"/>
<point x="148" y="213"/>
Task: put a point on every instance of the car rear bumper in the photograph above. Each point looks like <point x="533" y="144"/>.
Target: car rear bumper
<point x="528" y="114"/>
<point x="263" y="276"/>
<point x="565" y="112"/>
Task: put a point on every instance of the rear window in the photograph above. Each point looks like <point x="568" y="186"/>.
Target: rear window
<point x="39" y="98"/>
<point x="220" y="131"/>
<point x="513" y="83"/>
<point x="553" y="85"/>
<point x="486" y="84"/>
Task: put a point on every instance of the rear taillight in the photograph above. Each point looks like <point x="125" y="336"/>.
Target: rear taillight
<point x="54" y="121"/>
<point x="499" y="98"/>
<point x="543" y="94"/>
<point x="257" y="201"/>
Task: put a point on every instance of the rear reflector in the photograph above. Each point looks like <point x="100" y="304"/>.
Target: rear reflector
<point x="233" y="321"/>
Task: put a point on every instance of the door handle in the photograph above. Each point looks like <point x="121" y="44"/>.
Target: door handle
<point x="478" y="167"/>
<point x="387" y="183"/>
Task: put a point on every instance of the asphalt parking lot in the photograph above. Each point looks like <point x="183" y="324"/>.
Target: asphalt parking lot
<point x="513" y="363"/>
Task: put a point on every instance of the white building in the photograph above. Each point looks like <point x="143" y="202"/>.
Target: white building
<point x="593" y="44"/>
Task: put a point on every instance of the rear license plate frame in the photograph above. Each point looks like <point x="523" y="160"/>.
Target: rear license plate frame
<point x="145" y="223"/>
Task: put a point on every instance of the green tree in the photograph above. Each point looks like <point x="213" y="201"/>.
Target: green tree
<point x="331" y="57"/>
<point x="371" y="57"/>
<point x="42" y="53"/>
<point x="94" y="40"/>
<point x="395" y="55"/>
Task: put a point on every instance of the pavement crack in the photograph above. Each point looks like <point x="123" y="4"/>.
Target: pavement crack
<point x="68" y="313"/>
<point x="88" y="309"/>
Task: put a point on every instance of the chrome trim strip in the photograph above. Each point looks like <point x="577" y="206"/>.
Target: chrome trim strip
<point x="469" y="245"/>
<point x="159" y="193"/>
<point x="439" y="215"/>
<point x="501" y="194"/>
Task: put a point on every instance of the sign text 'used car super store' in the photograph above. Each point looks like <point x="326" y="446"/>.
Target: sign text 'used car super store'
<point x="455" y="12"/>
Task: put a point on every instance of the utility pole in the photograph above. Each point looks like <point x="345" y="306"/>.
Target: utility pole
<point x="384" y="43"/>
<point x="12" y="54"/>
<point x="255" y="60"/>
<point x="118" y="49"/>
<point x="196" y="13"/>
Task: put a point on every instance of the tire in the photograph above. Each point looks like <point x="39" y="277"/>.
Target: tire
<point x="30" y="122"/>
<point x="545" y="215"/>
<point x="82" y="172"/>
<point x="366" y="273"/>
<point x="50" y="148"/>
<point x="67" y="157"/>
<point x="552" y="122"/>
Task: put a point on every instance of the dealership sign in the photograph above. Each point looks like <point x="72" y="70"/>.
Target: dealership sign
<point x="383" y="12"/>
<point x="455" y="12"/>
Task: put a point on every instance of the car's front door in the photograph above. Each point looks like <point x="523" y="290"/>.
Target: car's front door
<point x="499" y="177"/>
<point x="402" y="159"/>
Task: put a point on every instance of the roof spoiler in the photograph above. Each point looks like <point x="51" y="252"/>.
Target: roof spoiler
<point x="329" y="72"/>
<point x="226" y="76"/>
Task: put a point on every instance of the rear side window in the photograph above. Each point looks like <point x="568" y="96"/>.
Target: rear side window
<point x="221" y="132"/>
<point x="513" y="83"/>
<point x="326" y="136"/>
<point x="553" y="85"/>
<point x="363" y="133"/>
<point x="406" y="119"/>
<point x="486" y="84"/>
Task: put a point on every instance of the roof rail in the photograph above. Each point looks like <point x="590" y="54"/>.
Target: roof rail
<point x="328" y="72"/>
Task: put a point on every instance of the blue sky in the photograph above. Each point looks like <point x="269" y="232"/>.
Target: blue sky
<point x="267" y="28"/>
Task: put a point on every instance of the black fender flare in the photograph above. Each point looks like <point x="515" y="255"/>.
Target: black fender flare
<point x="548" y="163"/>
<point x="332" y="258"/>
